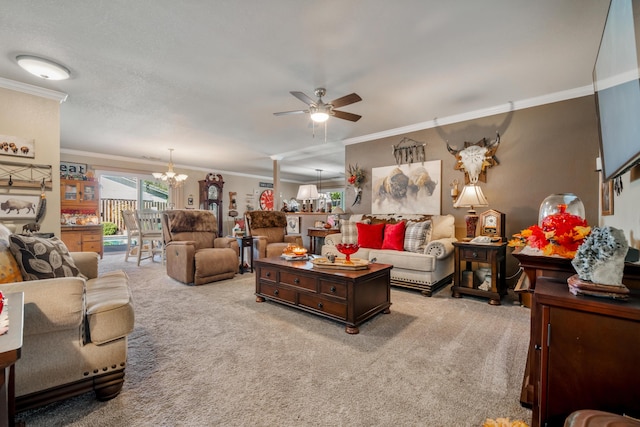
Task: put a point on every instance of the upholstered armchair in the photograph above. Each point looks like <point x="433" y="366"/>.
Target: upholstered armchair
<point x="269" y="229"/>
<point x="195" y="254"/>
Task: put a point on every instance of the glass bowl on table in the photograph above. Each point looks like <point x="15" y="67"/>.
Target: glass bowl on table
<point x="347" y="249"/>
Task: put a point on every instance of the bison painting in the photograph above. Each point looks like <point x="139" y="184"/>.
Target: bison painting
<point x="18" y="206"/>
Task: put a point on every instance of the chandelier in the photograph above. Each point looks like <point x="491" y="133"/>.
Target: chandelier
<point x="170" y="177"/>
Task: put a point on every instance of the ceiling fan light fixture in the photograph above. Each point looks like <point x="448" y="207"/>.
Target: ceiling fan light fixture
<point x="43" y="68"/>
<point x="319" y="115"/>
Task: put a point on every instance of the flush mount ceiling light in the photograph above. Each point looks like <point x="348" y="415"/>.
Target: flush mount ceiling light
<point x="43" y="68"/>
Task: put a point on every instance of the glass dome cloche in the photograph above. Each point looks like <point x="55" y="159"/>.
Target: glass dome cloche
<point x="560" y="202"/>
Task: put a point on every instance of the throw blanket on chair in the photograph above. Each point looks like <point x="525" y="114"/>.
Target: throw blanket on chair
<point x="267" y="219"/>
<point x="191" y="220"/>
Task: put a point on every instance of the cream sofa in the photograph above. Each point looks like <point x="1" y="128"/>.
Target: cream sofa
<point x="75" y="333"/>
<point x="428" y="270"/>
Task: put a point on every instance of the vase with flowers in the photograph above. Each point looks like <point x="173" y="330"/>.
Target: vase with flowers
<point x="559" y="234"/>
<point x="356" y="178"/>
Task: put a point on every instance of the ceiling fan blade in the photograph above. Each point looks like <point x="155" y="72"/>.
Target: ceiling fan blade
<point x="346" y="116"/>
<point x="345" y="100"/>
<point x="286" y="113"/>
<point x="304" y="98"/>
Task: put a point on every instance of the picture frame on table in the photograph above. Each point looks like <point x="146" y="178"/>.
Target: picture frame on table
<point x="293" y="224"/>
<point x="606" y="197"/>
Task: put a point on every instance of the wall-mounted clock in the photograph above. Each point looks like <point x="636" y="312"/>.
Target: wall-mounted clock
<point x="491" y="223"/>
<point x="266" y="200"/>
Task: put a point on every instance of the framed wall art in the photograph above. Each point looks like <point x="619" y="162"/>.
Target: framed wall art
<point x="412" y="188"/>
<point x="606" y="197"/>
<point x="16" y="146"/>
<point x="293" y="224"/>
<point x="18" y="206"/>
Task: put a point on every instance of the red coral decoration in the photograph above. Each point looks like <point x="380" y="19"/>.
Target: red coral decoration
<point x="560" y="234"/>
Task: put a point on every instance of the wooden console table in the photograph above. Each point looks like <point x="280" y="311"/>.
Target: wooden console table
<point x="10" y="348"/>
<point x="315" y="233"/>
<point x="493" y="254"/>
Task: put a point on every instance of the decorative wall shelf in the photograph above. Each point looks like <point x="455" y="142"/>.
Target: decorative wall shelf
<point x="23" y="175"/>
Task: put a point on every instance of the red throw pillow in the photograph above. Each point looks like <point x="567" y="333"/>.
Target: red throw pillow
<point x="370" y="235"/>
<point x="394" y="236"/>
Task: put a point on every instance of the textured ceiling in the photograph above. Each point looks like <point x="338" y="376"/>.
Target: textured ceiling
<point x="205" y="77"/>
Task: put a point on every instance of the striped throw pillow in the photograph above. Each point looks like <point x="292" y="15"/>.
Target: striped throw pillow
<point x="349" y="231"/>
<point x="415" y="236"/>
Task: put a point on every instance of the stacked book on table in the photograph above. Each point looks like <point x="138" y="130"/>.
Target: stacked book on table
<point x="578" y="286"/>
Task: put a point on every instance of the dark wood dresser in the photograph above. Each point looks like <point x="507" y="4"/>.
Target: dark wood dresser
<point x="587" y="353"/>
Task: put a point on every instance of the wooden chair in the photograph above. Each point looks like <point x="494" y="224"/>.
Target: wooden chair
<point x="133" y="233"/>
<point x="150" y="231"/>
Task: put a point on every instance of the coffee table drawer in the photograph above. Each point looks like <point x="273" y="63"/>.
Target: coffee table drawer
<point x="314" y="302"/>
<point x="333" y="289"/>
<point x="299" y="281"/>
<point x="274" y="291"/>
<point x="268" y="274"/>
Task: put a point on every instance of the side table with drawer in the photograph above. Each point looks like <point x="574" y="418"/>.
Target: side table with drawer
<point x="493" y="254"/>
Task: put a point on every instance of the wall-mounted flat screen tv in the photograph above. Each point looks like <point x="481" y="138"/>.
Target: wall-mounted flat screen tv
<point x="617" y="87"/>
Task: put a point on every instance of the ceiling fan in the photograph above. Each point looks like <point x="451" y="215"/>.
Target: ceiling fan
<point x="320" y="111"/>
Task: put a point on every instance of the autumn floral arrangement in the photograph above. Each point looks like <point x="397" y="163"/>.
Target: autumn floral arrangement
<point x="356" y="176"/>
<point x="559" y="234"/>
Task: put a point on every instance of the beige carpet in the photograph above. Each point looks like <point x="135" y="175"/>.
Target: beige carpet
<point x="211" y="356"/>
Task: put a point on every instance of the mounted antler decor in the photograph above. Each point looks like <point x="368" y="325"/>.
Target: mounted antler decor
<point x="475" y="158"/>
<point x="410" y="153"/>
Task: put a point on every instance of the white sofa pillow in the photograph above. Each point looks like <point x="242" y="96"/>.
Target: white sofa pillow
<point x="443" y="227"/>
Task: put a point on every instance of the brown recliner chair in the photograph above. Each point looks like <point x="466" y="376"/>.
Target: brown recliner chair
<point x="269" y="229"/>
<point x="195" y="254"/>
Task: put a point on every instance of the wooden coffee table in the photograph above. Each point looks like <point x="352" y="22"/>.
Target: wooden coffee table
<point x="350" y="297"/>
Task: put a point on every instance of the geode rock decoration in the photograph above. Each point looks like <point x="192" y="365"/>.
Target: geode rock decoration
<point x="600" y="259"/>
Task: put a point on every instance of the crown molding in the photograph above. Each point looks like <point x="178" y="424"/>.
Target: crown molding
<point x="33" y="90"/>
<point x="162" y="163"/>
<point x="477" y="114"/>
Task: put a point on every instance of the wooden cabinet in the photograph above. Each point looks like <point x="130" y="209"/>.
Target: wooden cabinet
<point x="81" y="198"/>
<point x="560" y="269"/>
<point x="492" y="254"/>
<point x="76" y="195"/>
<point x="83" y="238"/>
<point x="587" y="351"/>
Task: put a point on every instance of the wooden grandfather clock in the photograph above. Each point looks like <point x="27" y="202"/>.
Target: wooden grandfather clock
<point x="211" y="196"/>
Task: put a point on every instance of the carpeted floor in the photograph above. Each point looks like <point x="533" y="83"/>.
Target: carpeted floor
<point x="211" y="356"/>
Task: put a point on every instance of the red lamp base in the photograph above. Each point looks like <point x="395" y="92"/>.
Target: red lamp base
<point x="471" y="220"/>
